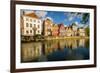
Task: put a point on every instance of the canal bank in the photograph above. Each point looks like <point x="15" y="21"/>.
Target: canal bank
<point x="58" y="38"/>
<point x="44" y="38"/>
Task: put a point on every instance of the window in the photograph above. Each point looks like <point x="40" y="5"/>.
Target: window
<point x="30" y="31"/>
<point x="26" y="24"/>
<point x="31" y="20"/>
<point x="38" y="21"/>
<point x="34" y="20"/>
<point x="30" y="25"/>
<point x="38" y="31"/>
<point x="34" y="25"/>
<point x="27" y="31"/>
<point x="26" y="19"/>
<point x="38" y="26"/>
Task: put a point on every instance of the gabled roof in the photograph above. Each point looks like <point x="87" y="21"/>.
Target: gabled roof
<point x="60" y="25"/>
<point x="33" y="15"/>
<point x="74" y="24"/>
<point x="49" y="19"/>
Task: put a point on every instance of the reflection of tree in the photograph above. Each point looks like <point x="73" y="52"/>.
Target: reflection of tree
<point x="87" y="44"/>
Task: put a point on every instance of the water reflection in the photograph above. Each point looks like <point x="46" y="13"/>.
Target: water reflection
<point x="55" y="50"/>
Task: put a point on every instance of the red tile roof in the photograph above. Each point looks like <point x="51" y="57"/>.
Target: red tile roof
<point x="33" y="15"/>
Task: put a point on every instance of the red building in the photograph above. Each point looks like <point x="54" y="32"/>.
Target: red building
<point x="61" y="30"/>
<point x="55" y="30"/>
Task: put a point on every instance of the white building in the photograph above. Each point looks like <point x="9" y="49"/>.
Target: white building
<point x="30" y="25"/>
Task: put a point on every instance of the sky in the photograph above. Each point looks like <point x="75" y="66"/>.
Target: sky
<point x="67" y="18"/>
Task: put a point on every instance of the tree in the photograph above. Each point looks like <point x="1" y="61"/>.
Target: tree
<point x="87" y="31"/>
<point x="85" y="18"/>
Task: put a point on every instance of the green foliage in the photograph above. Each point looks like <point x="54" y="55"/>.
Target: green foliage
<point x="87" y="31"/>
<point x="38" y="36"/>
<point x="85" y="18"/>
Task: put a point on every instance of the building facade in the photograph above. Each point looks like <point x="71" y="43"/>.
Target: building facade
<point x="61" y="30"/>
<point x="81" y="32"/>
<point x="69" y="31"/>
<point x="47" y="27"/>
<point x="55" y="30"/>
<point x="74" y="29"/>
<point x="31" y="25"/>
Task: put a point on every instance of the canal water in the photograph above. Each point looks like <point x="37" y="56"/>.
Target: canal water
<point x="55" y="50"/>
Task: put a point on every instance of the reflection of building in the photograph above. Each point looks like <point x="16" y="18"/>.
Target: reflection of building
<point x="48" y="47"/>
<point x="55" y="30"/>
<point x="62" y="44"/>
<point x="47" y="27"/>
<point x="30" y="51"/>
<point x="30" y="24"/>
<point x="39" y="50"/>
<point x="61" y="30"/>
<point x="71" y="43"/>
<point x="82" y="42"/>
<point x="74" y="44"/>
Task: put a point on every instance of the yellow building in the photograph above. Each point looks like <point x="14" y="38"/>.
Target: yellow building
<point x="81" y="32"/>
<point x="47" y="27"/>
<point x="69" y="31"/>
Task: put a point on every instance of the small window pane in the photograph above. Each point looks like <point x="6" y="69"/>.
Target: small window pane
<point x="26" y="19"/>
<point x="27" y="31"/>
<point x="30" y="25"/>
<point x="38" y="26"/>
<point x="31" y="20"/>
<point x="30" y="31"/>
<point x="26" y="24"/>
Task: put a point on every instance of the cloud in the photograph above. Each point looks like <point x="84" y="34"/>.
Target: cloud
<point x="80" y="15"/>
<point x="81" y="25"/>
<point x="72" y="15"/>
<point x="41" y="14"/>
<point x="70" y="18"/>
<point x="28" y="12"/>
<point x="49" y="18"/>
<point x="76" y="23"/>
